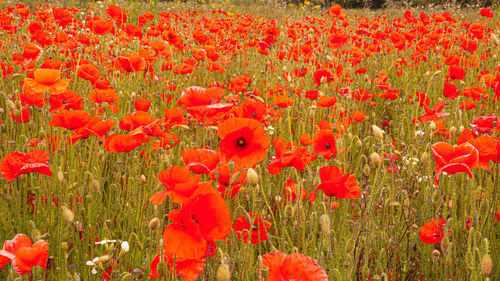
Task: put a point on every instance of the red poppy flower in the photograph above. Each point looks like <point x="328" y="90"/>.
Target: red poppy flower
<point x="485" y="145"/>
<point x="22" y="116"/>
<point x="291" y="190"/>
<point x="46" y="80"/>
<point x="142" y="104"/>
<point x="459" y="159"/>
<point x="89" y="72"/>
<point x="23" y="254"/>
<point x="204" y="213"/>
<point x="485" y="124"/>
<point x="450" y="91"/>
<point x="123" y="143"/>
<point x="179" y="184"/>
<point x="230" y="181"/>
<point x="487" y="13"/>
<point x="131" y="62"/>
<point x="65" y="100"/>
<point x="70" y="120"/>
<point x="243" y="141"/>
<point x="292" y="267"/>
<point x="456" y="72"/>
<point x="324" y="143"/>
<point x="335" y="183"/>
<point x="257" y="231"/>
<point x="288" y="155"/>
<point x="200" y="160"/>
<point x="434" y="113"/>
<point x="433" y="232"/>
<point x="16" y="163"/>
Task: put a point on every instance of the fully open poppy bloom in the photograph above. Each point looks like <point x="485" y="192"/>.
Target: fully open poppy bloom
<point x="434" y="113"/>
<point x="131" y="62"/>
<point x="288" y="155"/>
<point x="179" y="184"/>
<point x="335" y="183"/>
<point x="69" y="119"/>
<point x="324" y="143"/>
<point x="46" y="80"/>
<point x="204" y="104"/>
<point x="67" y="99"/>
<point x="16" y="163"/>
<point x="258" y="230"/>
<point x="243" y="141"/>
<point x="292" y="267"/>
<point x="23" y="254"/>
<point x="124" y="143"/>
<point x="459" y="159"/>
<point x="433" y="232"/>
<point x="292" y="190"/>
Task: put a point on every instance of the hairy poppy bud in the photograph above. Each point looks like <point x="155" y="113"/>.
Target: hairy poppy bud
<point x="425" y="158"/>
<point x="252" y="177"/>
<point x="153" y="224"/>
<point x="162" y="269"/>
<point x="366" y="170"/>
<point x="436" y="253"/>
<point x="143" y="178"/>
<point x="60" y="176"/>
<point x="96" y="186"/>
<point x="325" y="224"/>
<point x="461" y="129"/>
<point x="67" y="214"/>
<point x="432" y="126"/>
<point x="375" y="158"/>
<point x="445" y="244"/>
<point x="377" y="132"/>
<point x="10" y="105"/>
<point x="104" y="259"/>
<point x="486" y="264"/>
<point x="289" y="211"/>
<point x="494" y="39"/>
<point x="223" y="273"/>
<point x="36" y="234"/>
<point x="64" y="246"/>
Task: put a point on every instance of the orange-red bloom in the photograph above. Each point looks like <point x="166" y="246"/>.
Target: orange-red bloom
<point x="23" y="254"/>
<point x="16" y="163"/>
<point x="258" y="229"/>
<point x="433" y="232"/>
<point x="243" y="141"/>
<point x="179" y="184"/>
<point x="46" y="80"/>
<point x="292" y="267"/>
<point x="459" y="159"/>
<point x="335" y="183"/>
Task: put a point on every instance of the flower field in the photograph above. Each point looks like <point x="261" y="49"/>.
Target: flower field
<point x="199" y="141"/>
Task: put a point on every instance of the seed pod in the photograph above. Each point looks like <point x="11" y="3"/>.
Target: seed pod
<point x="223" y="273"/>
<point x="432" y="126"/>
<point x="153" y="224"/>
<point x="486" y="264"/>
<point x="325" y="224"/>
<point x="375" y="158"/>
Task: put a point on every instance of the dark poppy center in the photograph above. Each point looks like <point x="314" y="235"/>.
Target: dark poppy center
<point x="241" y="141"/>
<point x="254" y="114"/>
<point x="327" y="145"/>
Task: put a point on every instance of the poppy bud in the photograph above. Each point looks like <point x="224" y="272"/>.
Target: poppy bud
<point x="436" y="253"/>
<point x="67" y="214"/>
<point x="316" y="181"/>
<point x="16" y="113"/>
<point x="104" y="105"/>
<point x="359" y="143"/>
<point x="366" y="78"/>
<point x="64" y="246"/>
<point x="425" y="158"/>
<point x="96" y="186"/>
<point x="10" y="105"/>
<point x="435" y="196"/>
<point x="494" y="39"/>
<point x="484" y="206"/>
<point x="153" y="224"/>
<point x="445" y="244"/>
<point x="366" y="170"/>
<point x="377" y="132"/>
<point x="247" y="217"/>
<point x="36" y="234"/>
<point x="18" y="104"/>
<point x="432" y="126"/>
<point x="349" y="246"/>
<point x="252" y="177"/>
<point x="60" y="176"/>
<point x="223" y="273"/>
<point x="325" y="224"/>
<point x="375" y="158"/>
<point x="289" y="211"/>
<point x="486" y="264"/>
<point x="468" y="259"/>
<point x="453" y="130"/>
<point x="104" y="259"/>
<point x="133" y="95"/>
<point x="143" y="178"/>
